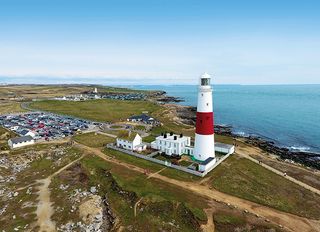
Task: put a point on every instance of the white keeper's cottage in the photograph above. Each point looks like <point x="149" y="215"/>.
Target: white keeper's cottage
<point x="172" y="144"/>
<point x="131" y="141"/>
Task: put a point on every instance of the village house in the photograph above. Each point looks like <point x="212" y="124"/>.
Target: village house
<point x="146" y="119"/>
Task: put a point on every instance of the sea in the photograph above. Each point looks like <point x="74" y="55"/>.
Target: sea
<point x="288" y="115"/>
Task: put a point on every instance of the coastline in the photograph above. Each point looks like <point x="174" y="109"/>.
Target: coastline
<point x="187" y="114"/>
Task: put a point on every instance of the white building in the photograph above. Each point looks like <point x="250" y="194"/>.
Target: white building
<point x="20" y="141"/>
<point x="131" y="141"/>
<point x="207" y="164"/>
<point x="224" y="148"/>
<point x="171" y="144"/>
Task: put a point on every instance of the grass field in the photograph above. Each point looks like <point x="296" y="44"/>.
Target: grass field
<point x="105" y="110"/>
<point x="150" y="166"/>
<point x="161" y="202"/>
<point x="10" y="107"/>
<point x="48" y="91"/>
<point x="149" y="139"/>
<point x="93" y="139"/>
<point x="5" y="135"/>
<point x="245" y="179"/>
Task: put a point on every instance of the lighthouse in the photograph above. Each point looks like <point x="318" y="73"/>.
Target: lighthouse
<point x="204" y="138"/>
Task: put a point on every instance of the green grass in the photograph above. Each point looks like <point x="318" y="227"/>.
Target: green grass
<point x="199" y="213"/>
<point x="223" y="139"/>
<point x="5" y="135"/>
<point x="10" y="107"/>
<point x="139" y="127"/>
<point x="229" y="219"/>
<point x="149" y="139"/>
<point x="93" y="139"/>
<point x="185" y="163"/>
<point x="152" y="188"/>
<point x="150" y="166"/>
<point x="116" y="126"/>
<point x="245" y="179"/>
<point x="105" y="110"/>
<point x="161" y="202"/>
<point x="133" y="160"/>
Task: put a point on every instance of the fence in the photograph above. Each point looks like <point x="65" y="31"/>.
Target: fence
<point x="166" y="163"/>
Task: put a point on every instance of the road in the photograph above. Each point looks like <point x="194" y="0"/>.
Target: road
<point x="288" y="221"/>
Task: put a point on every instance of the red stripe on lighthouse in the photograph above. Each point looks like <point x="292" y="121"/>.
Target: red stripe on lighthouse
<point x="204" y="123"/>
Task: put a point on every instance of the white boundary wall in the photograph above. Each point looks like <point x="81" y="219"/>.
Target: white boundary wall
<point x="168" y="164"/>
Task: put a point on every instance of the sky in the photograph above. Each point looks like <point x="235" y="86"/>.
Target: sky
<point x="160" y="41"/>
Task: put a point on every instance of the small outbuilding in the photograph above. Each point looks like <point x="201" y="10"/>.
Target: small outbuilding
<point x="20" y="141"/>
<point x="224" y="148"/>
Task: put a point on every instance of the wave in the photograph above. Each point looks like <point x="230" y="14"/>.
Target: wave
<point x="299" y="148"/>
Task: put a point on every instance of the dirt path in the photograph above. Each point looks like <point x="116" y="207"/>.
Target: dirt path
<point x="289" y="221"/>
<point x="304" y="185"/>
<point x="209" y="227"/>
<point x="151" y="175"/>
<point x="44" y="209"/>
<point x="136" y="205"/>
<point x="107" y="134"/>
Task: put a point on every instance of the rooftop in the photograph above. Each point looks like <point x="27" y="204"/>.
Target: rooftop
<point x="205" y="162"/>
<point x="21" y="139"/>
<point x="223" y="145"/>
<point x="127" y="136"/>
<point x="171" y="137"/>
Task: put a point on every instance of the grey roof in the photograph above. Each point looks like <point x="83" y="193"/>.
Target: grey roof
<point x="223" y="145"/>
<point x="205" y="162"/>
<point x="24" y="132"/>
<point x="142" y="117"/>
<point x="21" y="139"/>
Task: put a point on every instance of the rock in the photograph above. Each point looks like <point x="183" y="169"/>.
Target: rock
<point x="93" y="189"/>
<point x="15" y="194"/>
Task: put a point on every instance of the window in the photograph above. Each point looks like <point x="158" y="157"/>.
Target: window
<point x="207" y="104"/>
<point x="205" y="81"/>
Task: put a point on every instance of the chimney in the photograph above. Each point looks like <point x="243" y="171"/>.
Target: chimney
<point x="175" y="137"/>
<point x="171" y="133"/>
<point x="181" y="135"/>
<point x="165" y="135"/>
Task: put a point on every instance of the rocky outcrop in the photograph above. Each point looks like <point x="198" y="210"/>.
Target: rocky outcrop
<point x="306" y="158"/>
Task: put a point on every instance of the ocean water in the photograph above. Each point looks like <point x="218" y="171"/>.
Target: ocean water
<point x="289" y="115"/>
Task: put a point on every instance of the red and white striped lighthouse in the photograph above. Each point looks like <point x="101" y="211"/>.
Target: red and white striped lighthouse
<point x="204" y="139"/>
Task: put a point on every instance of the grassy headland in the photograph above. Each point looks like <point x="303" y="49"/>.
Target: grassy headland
<point x="106" y="110"/>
